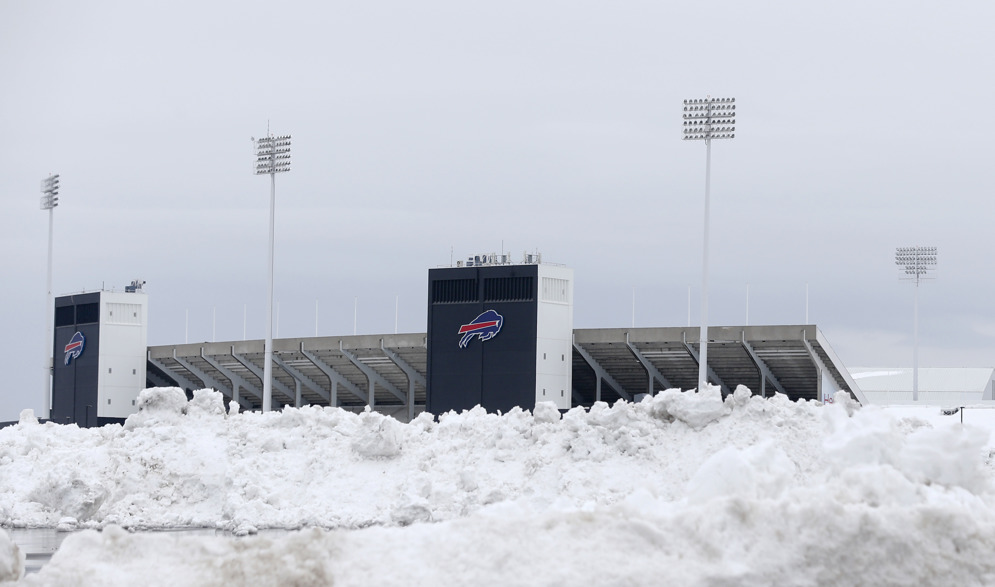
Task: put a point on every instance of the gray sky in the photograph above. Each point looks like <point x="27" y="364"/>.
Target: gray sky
<point x="429" y="129"/>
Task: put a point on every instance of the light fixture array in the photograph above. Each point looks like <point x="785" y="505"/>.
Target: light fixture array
<point x="709" y="118"/>
<point x="915" y="262"/>
<point x="50" y="192"/>
<point x="272" y="155"/>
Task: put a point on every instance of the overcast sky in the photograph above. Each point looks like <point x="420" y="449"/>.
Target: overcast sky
<point x="434" y="130"/>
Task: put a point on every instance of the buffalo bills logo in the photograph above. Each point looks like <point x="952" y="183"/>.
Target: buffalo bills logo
<point x="75" y="346"/>
<point x="486" y="326"/>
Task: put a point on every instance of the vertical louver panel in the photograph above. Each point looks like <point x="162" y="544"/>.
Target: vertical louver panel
<point x="509" y="289"/>
<point x="555" y="290"/>
<point x="454" y="291"/>
<point x="124" y="314"/>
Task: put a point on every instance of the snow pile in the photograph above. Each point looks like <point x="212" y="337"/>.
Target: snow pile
<point x="188" y="464"/>
<point x="642" y="541"/>
<point x="682" y="488"/>
<point x="11" y="559"/>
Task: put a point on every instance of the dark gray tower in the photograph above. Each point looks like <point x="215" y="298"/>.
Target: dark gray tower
<point x="499" y="335"/>
<point x="75" y="359"/>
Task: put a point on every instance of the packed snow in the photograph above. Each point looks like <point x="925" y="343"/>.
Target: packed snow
<point x="681" y="488"/>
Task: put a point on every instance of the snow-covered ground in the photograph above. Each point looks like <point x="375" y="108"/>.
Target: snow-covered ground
<point x="680" y="489"/>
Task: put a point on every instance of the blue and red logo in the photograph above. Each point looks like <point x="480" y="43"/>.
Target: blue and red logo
<point x="486" y="326"/>
<point x="75" y="346"/>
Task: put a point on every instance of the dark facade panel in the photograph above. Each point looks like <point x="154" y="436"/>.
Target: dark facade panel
<point x="466" y="367"/>
<point x="65" y="316"/>
<point x="88" y="313"/>
<point x="74" y="385"/>
<point x="74" y="374"/>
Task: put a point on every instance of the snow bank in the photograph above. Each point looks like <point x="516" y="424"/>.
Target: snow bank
<point x="188" y="464"/>
<point x="11" y="559"/>
<point x="682" y="487"/>
<point x="794" y="540"/>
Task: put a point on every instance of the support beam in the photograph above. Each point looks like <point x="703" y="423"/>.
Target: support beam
<point x="183" y="381"/>
<point x="849" y="382"/>
<point x="652" y="373"/>
<point x="765" y="372"/>
<point x="712" y="376"/>
<point x="302" y="378"/>
<point x="260" y="373"/>
<point x="208" y="379"/>
<point x="157" y="380"/>
<point x="602" y="374"/>
<point x="373" y="376"/>
<point x="335" y="377"/>
<point x="820" y="367"/>
<point x="204" y="376"/>
<point x="404" y="366"/>
<point x="413" y="377"/>
<point x="234" y="377"/>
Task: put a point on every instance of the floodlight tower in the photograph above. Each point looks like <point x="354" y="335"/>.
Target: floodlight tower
<point x="49" y="200"/>
<point x="915" y="262"/>
<point x="704" y="120"/>
<point x="272" y="157"/>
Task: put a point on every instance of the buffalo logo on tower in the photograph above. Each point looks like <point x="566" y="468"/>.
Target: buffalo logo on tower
<point x="75" y="347"/>
<point x="486" y="326"/>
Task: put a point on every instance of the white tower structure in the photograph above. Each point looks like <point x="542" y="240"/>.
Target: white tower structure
<point x="101" y="345"/>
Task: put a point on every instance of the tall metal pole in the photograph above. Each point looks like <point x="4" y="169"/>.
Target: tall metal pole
<point x="915" y="344"/>
<point x="272" y="157"/>
<point x="268" y="354"/>
<point x="49" y="200"/>
<point x="49" y="310"/>
<point x="707" y="119"/>
<point x="703" y="331"/>
<point x="689" y="306"/>
<point x="915" y="263"/>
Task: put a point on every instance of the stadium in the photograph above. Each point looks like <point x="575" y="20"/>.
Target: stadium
<point x="529" y="352"/>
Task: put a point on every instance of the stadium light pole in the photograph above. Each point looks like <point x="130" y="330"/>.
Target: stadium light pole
<point x="272" y="157"/>
<point x="49" y="200"/>
<point x="915" y="263"/>
<point x="704" y="120"/>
